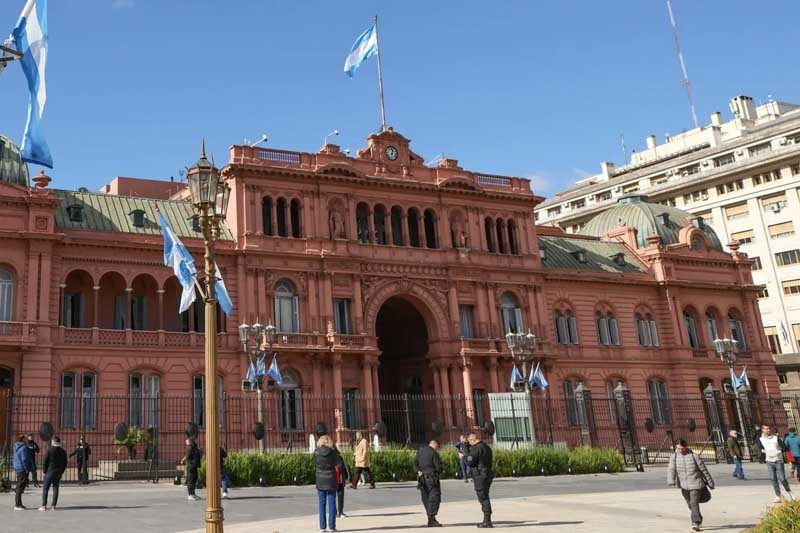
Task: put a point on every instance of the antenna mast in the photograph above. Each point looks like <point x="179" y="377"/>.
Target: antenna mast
<point x="686" y="83"/>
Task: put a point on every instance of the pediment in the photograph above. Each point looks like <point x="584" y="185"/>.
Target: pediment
<point x="335" y="169"/>
<point x="460" y="183"/>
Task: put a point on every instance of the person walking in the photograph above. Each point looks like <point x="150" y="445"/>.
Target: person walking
<point x="54" y="466"/>
<point x="81" y="454"/>
<point x="772" y="448"/>
<point x="342" y="475"/>
<point x="463" y="448"/>
<point x="792" y="441"/>
<point x="735" y="449"/>
<point x="326" y="458"/>
<point x="757" y="443"/>
<point x="688" y="471"/>
<point x="480" y="461"/>
<point x="223" y="473"/>
<point x="428" y="465"/>
<point x="362" y="462"/>
<point x="23" y="464"/>
<point x="192" y="459"/>
<point x="34" y="450"/>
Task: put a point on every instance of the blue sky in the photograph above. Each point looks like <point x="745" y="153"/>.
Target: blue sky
<point x="527" y="88"/>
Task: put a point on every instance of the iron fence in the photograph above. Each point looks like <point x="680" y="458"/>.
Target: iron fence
<point x="643" y="430"/>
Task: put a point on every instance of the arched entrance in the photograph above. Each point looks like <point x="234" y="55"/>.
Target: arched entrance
<point x="403" y="374"/>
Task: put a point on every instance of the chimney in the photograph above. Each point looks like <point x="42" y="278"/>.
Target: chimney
<point x="716" y="119"/>
<point x="607" y="169"/>
<point x="743" y="107"/>
<point x="651" y="142"/>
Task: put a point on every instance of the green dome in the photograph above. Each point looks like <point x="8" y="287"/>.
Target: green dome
<point x="12" y="169"/>
<point x="648" y="219"/>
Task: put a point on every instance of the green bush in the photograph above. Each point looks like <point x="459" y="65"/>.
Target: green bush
<point x="784" y="518"/>
<point x="280" y="468"/>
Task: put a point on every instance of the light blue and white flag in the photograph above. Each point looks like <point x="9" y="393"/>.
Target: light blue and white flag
<point x="365" y="47"/>
<point x="736" y="383"/>
<point x="30" y="38"/>
<point x="223" y="298"/>
<point x="251" y="373"/>
<point x="784" y="334"/>
<point x="743" y="379"/>
<point x="516" y="377"/>
<point x="274" y="372"/>
<point x="537" y="379"/>
<point x="178" y="257"/>
<point x="261" y="366"/>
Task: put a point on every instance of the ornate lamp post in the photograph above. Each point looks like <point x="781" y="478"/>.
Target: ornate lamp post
<point x="256" y="333"/>
<point x="210" y="195"/>
<point x="522" y="343"/>
<point x="8" y="55"/>
<point x="728" y="351"/>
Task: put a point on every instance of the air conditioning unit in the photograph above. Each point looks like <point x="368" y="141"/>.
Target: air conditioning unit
<point x="783" y="141"/>
<point x="775" y="208"/>
<point x="740" y="152"/>
<point x="706" y="163"/>
<point x="705" y="197"/>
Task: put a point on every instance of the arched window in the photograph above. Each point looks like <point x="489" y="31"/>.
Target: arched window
<point x="379" y="219"/>
<point x="78" y="400"/>
<point x="488" y="228"/>
<point x="397" y="226"/>
<point x="711" y="323"/>
<point x="413" y="228"/>
<point x="199" y="400"/>
<point x="646" y="330"/>
<point x="659" y="401"/>
<point x="607" y="330"/>
<point x="294" y="211"/>
<point x="512" y="314"/>
<point x="513" y="246"/>
<point x="575" y="411"/>
<point x="266" y="215"/>
<point x="144" y="400"/>
<point x="501" y="236"/>
<point x="362" y="223"/>
<point x="737" y="330"/>
<point x="6" y="295"/>
<point x="430" y="229"/>
<point x="291" y="402"/>
<point x="287" y="316"/>
<point x="566" y="327"/>
<point x="691" y="329"/>
<point x="281" y="216"/>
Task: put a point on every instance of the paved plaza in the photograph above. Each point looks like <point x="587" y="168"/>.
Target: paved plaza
<point x="631" y="501"/>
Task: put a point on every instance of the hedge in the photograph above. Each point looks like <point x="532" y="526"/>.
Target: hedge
<point x="783" y="518"/>
<point x="280" y="468"/>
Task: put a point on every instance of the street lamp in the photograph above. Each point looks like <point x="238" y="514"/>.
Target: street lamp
<point x="210" y="195"/>
<point x="522" y="343"/>
<point x="257" y="332"/>
<point x="728" y="351"/>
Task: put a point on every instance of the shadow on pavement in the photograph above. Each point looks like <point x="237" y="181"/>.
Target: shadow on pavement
<point x="738" y="527"/>
<point x="98" y="507"/>
<point x="235" y="498"/>
<point x="499" y="524"/>
<point x="382" y="514"/>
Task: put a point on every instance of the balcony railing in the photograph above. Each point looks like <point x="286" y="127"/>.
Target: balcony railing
<point x="354" y="341"/>
<point x="17" y="333"/>
<point x="128" y="337"/>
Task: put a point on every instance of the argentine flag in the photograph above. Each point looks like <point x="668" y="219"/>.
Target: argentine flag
<point x="365" y="47"/>
<point x="261" y="369"/>
<point x="223" y="298"/>
<point x="178" y="257"/>
<point x="274" y="372"/>
<point x="537" y="379"/>
<point x="251" y="374"/>
<point x="30" y="38"/>
<point x="516" y="377"/>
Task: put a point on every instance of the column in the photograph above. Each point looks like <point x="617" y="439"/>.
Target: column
<point x="259" y="212"/>
<point x="494" y="322"/>
<point x="421" y="229"/>
<point x="494" y="383"/>
<point x="446" y="398"/>
<point x="358" y="305"/>
<point x="366" y="389"/>
<point x="96" y="306"/>
<point x="482" y="312"/>
<point x="441" y="232"/>
<point x="260" y="301"/>
<point x="289" y="221"/>
<point x="404" y="228"/>
<point x="160" y="309"/>
<point x="504" y="236"/>
<point x="316" y="375"/>
<point x="61" y="288"/>
<point x="312" y="303"/>
<point x="249" y="218"/>
<point x="337" y="389"/>
<point x="482" y="232"/>
<point x="388" y="224"/>
<point x="371" y="226"/>
<point x="452" y="298"/>
<point x="466" y="374"/>
<point x="273" y="217"/>
<point x="534" y="320"/>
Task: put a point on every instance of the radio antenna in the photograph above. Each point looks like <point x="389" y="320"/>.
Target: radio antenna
<point x="686" y="83"/>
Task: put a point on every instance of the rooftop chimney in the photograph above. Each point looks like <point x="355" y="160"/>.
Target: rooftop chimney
<point x="651" y="142"/>
<point x="716" y="119"/>
<point x="743" y="107"/>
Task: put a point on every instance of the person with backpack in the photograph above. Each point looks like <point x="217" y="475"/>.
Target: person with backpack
<point x="772" y="450"/>
<point x="342" y="475"/>
<point x="326" y="458"/>
<point x="687" y="471"/>
<point x="23" y="464"/>
<point x="192" y="460"/>
<point x="54" y="466"/>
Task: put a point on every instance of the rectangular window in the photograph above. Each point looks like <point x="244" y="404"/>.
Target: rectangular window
<point x="658" y="180"/>
<point x="759" y="149"/>
<point x="771" y="333"/>
<point x="135" y="399"/>
<point x="562" y="335"/>
<point x="689" y="170"/>
<point x="737" y="333"/>
<point x="691" y="330"/>
<point x="653" y="333"/>
<point x="763" y="293"/>
<point x="554" y="211"/>
<point x="198" y="401"/>
<point x="642" y="332"/>
<point x="153" y="400"/>
<point x="480" y="405"/>
<point x="756" y="263"/>
<point x="602" y="331"/>
<point x="352" y="409"/>
<point x="88" y="401"/>
<point x="602" y="196"/>
<point x="572" y="326"/>
<point x="73" y="310"/>
<point x="341" y="316"/>
<point x="723" y="160"/>
<point x="789" y="257"/>
<point x="784" y="229"/>
<point x="791" y="286"/>
<point x="774" y="203"/>
<point x="291" y="409"/>
<point x="512" y="319"/>
<point x="736" y="211"/>
<point x="795" y="169"/>
<point x="578" y="204"/>
<point x="782" y="378"/>
<point x="630" y="188"/>
<point x="465" y="313"/>
<point x="743" y="237"/>
<point x="659" y="402"/>
<point x="68" y="400"/>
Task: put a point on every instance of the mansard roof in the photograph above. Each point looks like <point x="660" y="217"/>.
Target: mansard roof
<point x="569" y="253"/>
<point x="12" y="168"/>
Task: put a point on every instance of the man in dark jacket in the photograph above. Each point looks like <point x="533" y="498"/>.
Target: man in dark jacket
<point x="428" y="465"/>
<point x="34" y="450"/>
<point x="326" y="459"/>
<point x="23" y="464"/>
<point x="687" y="470"/>
<point x="55" y="463"/>
<point x="463" y="448"/>
<point x="82" y="453"/>
<point x="480" y="461"/>
<point x="735" y="449"/>
<point x="192" y="460"/>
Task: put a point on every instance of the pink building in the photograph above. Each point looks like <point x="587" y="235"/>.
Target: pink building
<point x="382" y="275"/>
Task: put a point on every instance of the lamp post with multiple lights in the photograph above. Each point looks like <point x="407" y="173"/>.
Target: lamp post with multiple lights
<point x="519" y="344"/>
<point x="257" y="333"/>
<point x="728" y="351"/>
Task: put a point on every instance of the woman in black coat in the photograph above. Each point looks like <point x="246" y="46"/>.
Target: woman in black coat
<point x="326" y="459"/>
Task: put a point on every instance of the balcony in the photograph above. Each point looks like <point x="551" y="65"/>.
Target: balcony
<point x="17" y="333"/>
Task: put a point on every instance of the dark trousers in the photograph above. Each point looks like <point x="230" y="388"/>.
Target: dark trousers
<point x="22" y="482"/>
<point x="431" y="493"/>
<point x="340" y="498"/>
<point x="191" y="479"/>
<point x="482" y="486"/>
<point x="83" y="472"/>
<point x="692" y="498"/>
<point x="466" y="471"/>
<point x="51" y="479"/>
<point x="368" y="476"/>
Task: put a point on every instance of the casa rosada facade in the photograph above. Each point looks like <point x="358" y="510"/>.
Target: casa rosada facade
<point x="382" y="275"/>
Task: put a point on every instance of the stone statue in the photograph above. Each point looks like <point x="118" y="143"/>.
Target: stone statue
<point x="460" y="235"/>
<point x="336" y="224"/>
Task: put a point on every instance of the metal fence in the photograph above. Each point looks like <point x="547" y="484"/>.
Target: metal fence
<point x="642" y="429"/>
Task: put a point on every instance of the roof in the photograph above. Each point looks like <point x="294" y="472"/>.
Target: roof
<point x="598" y="255"/>
<point x="111" y="213"/>
<point x="12" y="169"/>
<point x="646" y="218"/>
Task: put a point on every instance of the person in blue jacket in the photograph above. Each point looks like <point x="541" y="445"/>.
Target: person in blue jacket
<point x="792" y="441"/>
<point x="23" y="465"/>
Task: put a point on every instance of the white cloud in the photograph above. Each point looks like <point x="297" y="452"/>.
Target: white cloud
<point x="122" y="4"/>
<point x="541" y="182"/>
<point x="581" y="173"/>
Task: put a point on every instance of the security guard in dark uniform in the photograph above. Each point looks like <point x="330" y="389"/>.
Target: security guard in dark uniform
<point x="480" y="459"/>
<point x="429" y="466"/>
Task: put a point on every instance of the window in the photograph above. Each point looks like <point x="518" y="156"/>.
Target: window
<point x="791" y="286"/>
<point x="138" y="308"/>
<point x="68" y="400"/>
<point x="758" y="149"/>
<point x="144" y="400"/>
<point x="135" y="400"/>
<point x="352" y="408"/>
<point x="659" y="402"/>
<point x="73" y="310"/>
<point x="736" y="211"/>
<point x="489" y="230"/>
<point x="287" y="317"/>
<point x="554" y="211"/>
<point x="743" y="237"/>
<point x="294" y="218"/>
<point x="341" y="316"/>
<point x="479" y="403"/>
<point x="766" y="177"/>
<point x="646" y="330"/>
<point x="413" y="228"/>
<point x="607" y="331"/>
<point x="512" y="314"/>
<point x="578" y="204"/>
<point x="774" y="203"/>
<point x="689" y="170"/>
<point x="397" y="226"/>
<point x="763" y="293"/>
<point x="199" y="401"/>
<point x="795" y="169"/>
<point x="513" y="247"/>
<point x="575" y="412"/>
<point x="153" y="395"/>
<point x="78" y="400"/>
<point x="290" y="402"/>
<point x="711" y="322"/>
<point x="602" y="196"/>
<point x="756" y="263"/>
<point x="6" y="295"/>
<point x="723" y="160"/>
<point x="737" y="331"/>
<point x="785" y="229"/>
<point x="630" y="188"/>
<point x="466" y="315"/>
<point x="120" y="302"/>
<point x="362" y="223"/>
<point x="789" y="257"/>
<point x="566" y="328"/>
<point x="658" y="180"/>
<point x="771" y="332"/>
<point x="430" y="229"/>
<point x="782" y="378"/>
<point x="266" y="215"/>
<point x="379" y="220"/>
<point x="281" y="218"/>
<point x="691" y="330"/>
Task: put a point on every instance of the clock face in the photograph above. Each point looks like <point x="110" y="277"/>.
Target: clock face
<point x="391" y="153"/>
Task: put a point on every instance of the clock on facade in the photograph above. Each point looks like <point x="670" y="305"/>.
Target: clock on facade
<point x="391" y="153"/>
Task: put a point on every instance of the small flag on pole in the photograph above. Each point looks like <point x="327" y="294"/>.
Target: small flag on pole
<point x="516" y="377"/>
<point x="743" y="379"/>
<point x="223" y="298"/>
<point x="178" y="257"/>
<point x="261" y="369"/>
<point x="251" y="373"/>
<point x="365" y="47"/>
<point x="537" y="379"/>
<point x="274" y="372"/>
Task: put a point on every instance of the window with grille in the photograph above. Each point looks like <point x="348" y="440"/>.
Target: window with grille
<point x="352" y="409"/>
<point x="290" y="402"/>
<point x="659" y="402"/>
<point x="575" y="413"/>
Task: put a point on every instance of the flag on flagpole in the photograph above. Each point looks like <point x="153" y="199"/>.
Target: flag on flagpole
<point x="735" y="382"/>
<point x="223" y="298"/>
<point x="537" y="379"/>
<point x="178" y="257"/>
<point x="274" y="372"/>
<point x="261" y="369"/>
<point x="784" y="334"/>
<point x="743" y="379"/>
<point x="516" y="377"/>
<point x="251" y="373"/>
<point x="366" y="46"/>
<point x="30" y="38"/>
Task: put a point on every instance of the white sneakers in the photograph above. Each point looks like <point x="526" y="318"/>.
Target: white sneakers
<point x="42" y="508"/>
<point x="225" y="495"/>
<point x="192" y="498"/>
<point x="776" y="499"/>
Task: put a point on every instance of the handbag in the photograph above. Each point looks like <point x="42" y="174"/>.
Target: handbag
<point x="705" y="495"/>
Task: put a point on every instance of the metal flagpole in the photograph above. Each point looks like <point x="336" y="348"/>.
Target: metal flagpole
<point x="380" y="75"/>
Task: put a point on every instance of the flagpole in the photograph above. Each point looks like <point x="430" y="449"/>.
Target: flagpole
<point x="380" y="76"/>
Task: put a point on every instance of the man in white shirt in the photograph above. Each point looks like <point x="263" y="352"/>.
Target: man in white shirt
<point x="773" y="447"/>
